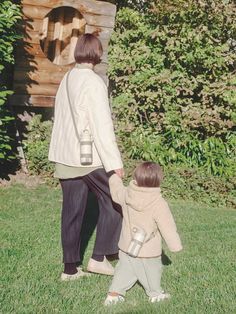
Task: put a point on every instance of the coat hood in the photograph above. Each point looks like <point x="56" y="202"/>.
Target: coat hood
<point x="141" y="198"/>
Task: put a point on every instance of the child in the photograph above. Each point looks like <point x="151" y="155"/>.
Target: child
<point x="144" y="210"/>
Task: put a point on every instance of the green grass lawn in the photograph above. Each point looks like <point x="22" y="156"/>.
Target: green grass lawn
<point x="201" y="279"/>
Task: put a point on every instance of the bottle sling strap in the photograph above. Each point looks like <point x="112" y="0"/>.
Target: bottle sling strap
<point x="152" y="235"/>
<point x="70" y="106"/>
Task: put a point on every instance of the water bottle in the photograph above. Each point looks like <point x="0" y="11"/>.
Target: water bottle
<point x="86" y="149"/>
<point x="137" y="241"/>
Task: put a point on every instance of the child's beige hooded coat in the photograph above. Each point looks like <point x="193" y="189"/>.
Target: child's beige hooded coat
<point x="145" y="207"/>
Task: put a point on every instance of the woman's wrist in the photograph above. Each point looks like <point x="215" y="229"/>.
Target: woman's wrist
<point x="110" y="173"/>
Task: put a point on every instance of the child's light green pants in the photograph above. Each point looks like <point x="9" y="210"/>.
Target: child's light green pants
<point x="131" y="269"/>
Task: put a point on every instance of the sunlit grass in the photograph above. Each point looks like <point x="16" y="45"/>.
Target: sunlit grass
<point x="201" y="279"/>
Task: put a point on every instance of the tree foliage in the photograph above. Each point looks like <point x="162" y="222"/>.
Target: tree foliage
<point x="172" y="70"/>
<point x="9" y="15"/>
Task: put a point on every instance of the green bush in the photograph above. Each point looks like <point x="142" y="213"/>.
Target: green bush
<point x="36" y="146"/>
<point x="193" y="184"/>
<point x="196" y="185"/>
<point x="9" y="15"/>
<point x="173" y="82"/>
<point x="179" y="182"/>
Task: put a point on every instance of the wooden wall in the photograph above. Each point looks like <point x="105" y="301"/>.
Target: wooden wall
<point x="46" y="52"/>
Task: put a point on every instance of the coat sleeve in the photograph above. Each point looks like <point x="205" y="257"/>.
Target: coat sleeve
<point x="101" y="125"/>
<point x="117" y="189"/>
<point x="167" y="227"/>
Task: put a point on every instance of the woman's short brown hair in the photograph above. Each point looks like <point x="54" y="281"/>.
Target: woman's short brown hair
<point x="88" y="49"/>
<point x="148" y="174"/>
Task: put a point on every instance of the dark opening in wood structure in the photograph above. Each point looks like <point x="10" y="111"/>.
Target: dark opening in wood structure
<point x="51" y="29"/>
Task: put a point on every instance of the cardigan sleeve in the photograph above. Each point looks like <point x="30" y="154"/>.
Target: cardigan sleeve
<point x="167" y="227"/>
<point x="101" y="125"/>
<point x="117" y="189"/>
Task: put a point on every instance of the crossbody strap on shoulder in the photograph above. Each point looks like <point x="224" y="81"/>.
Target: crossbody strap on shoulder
<point x="152" y="235"/>
<point x="70" y="105"/>
<point x="71" y="109"/>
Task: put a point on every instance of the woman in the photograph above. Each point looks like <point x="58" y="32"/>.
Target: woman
<point x="82" y="103"/>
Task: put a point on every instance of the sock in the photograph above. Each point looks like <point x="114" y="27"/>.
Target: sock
<point x="98" y="258"/>
<point x="70" y="268"/>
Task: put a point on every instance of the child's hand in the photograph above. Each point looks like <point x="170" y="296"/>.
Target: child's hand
<point x="120" y="172"/>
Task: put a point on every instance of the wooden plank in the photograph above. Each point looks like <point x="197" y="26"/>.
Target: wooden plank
<point x="33" y="38"/>
<point x="34" y="12"/>
<point x="44" y="30"/>
<point x="24" y="64"/>
<point x="34" y="25"/>
<point x="37" y="26"/>
<point x="77" y="24"/>
<point x="33" y="55"/>
<point x="90" y="6"/>
<point x="34" y="100"/>
<point x="37" y="76"/>
<point x="40" y="26"/>
<point x="43" y="71"/>
<point x="46" y="76"/>
<point x="99" y="20"/>
<point x="35" y="89"/>
<point x="58" y="37"/>
<point x="30" y="51"/>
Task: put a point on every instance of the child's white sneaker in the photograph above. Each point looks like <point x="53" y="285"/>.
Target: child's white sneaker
<point x="162" y="296"/>
<point x="111" y="300"/>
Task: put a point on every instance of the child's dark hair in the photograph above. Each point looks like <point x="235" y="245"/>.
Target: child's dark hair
<point x="148" y="174"/>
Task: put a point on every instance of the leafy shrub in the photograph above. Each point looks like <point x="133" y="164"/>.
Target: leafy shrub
<point x="179" y="182"/>
<point x="36" y="146"/>
<point x="173" y="79"/>
<point x="9" y="15"/>
<point x="197" y="185"/>
<point x="193" y="184"/>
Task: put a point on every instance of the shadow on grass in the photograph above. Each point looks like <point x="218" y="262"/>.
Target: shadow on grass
<point x="165" y="259"/>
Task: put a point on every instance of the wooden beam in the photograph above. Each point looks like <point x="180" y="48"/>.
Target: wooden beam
<point x="44" y="30"/>
<point x="46" y="76"/>
<point x="103" y="31"/>
<point x="32" y="39"/>
<point x="34" y="100"/>
<point x="99" y="20"/>
<point x="34" y="12"/>
<point x="37" y="76"/>
<point x="90" y="6"/>
<point x="24" y="64"/>
<point x="35" y="89"/>
<point x="58" y="37"/>
<point x="33" y="25"/>
<point x="76" y="26"/>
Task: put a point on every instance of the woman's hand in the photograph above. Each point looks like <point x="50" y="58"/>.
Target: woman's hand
<point x="120" y="172"/>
